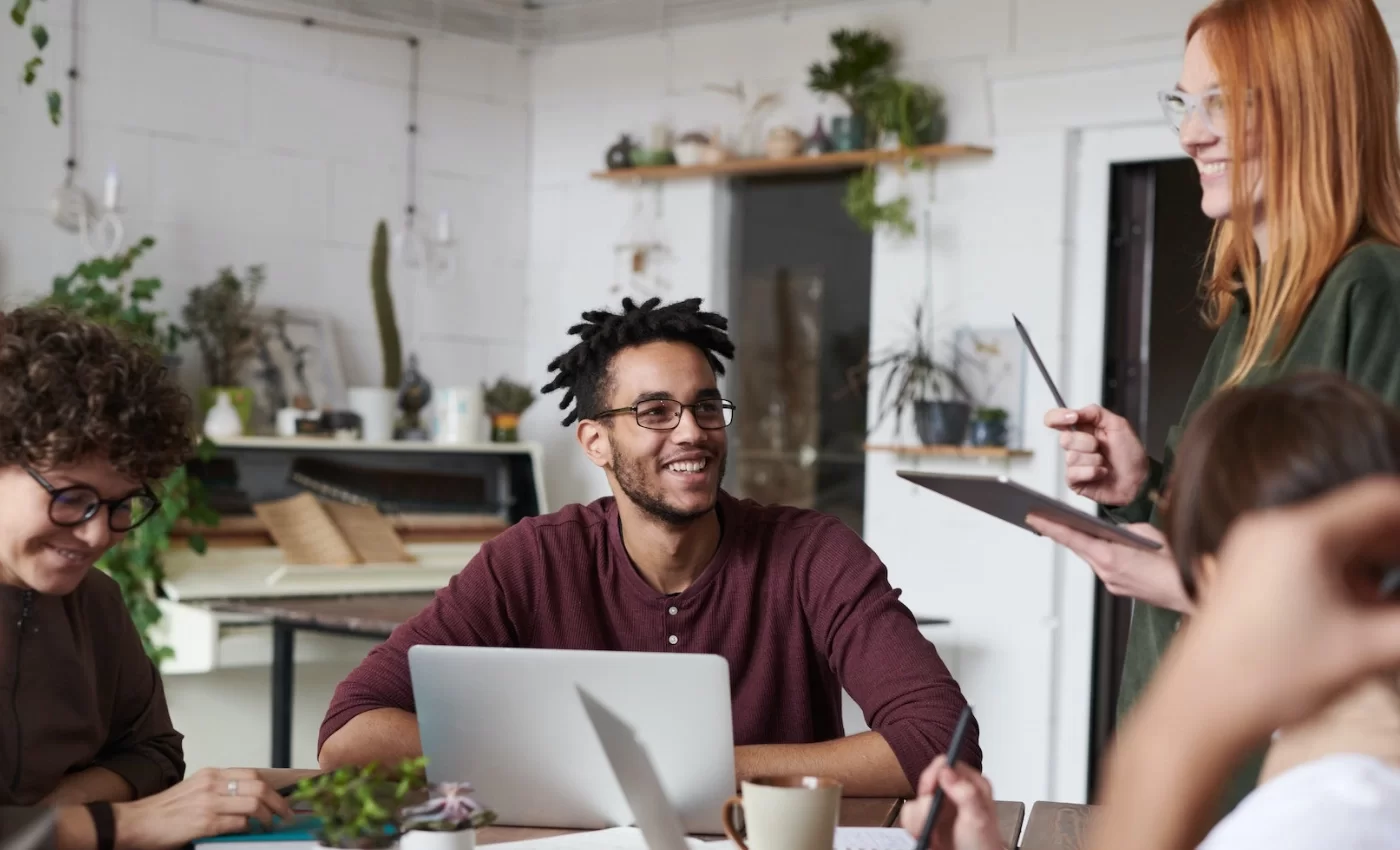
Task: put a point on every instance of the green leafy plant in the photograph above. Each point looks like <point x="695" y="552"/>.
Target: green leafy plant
<point x="912" y="111"/>
<point x="507" y="398"/>
<point x="867" y="212"/>
<point x="990" y="414"/>
<point x="359" y="807"/>
<point x="384" y="308"/>
<point x="911" y="374"/>
<point x="39" y="34"/>
<point x="97" y="290"/>
<point x="863" y="58"/>
<point x="221" y="317"/>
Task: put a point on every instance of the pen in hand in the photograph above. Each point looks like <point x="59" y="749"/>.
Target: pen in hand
<point x="954" y="748"/>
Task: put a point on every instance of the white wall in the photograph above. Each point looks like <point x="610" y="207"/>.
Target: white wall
<point x="1025" y="76"/>
<point x="245" y="141"/>
<point x="242" y="141"/>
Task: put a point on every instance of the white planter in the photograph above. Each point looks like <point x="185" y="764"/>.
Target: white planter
<point x="222" y="421"/>
<point x="459" y="414"/>
<point x="422" y="839"/>
<point x="376" y="407"/>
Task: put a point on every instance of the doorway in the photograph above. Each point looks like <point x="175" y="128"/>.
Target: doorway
<point x="800" y="318"/>
<point x="1154" y="344"/>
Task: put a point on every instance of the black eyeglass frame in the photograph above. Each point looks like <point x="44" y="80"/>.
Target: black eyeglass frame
<point x="725" y="405"/>
<point x="91" y="511"/>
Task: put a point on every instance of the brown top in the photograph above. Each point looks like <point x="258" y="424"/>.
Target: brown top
<point x="795" y="602"/>
<point x="77" y="691"/>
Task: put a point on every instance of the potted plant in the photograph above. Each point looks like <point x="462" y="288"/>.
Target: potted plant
<point x="358" y="807"/>
<point x="863" y="58"/>
<point x="375" y="405"/>
<point x="447" y="820"/>
<point x="220" y="317"/>
<point x="913" y="378"/>
<point x="504" y="403"/>
<point x="988" y="427"/>
<point x="911" y="112"/>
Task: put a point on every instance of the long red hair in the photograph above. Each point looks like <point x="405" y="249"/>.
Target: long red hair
<point x="1318" y="85"/>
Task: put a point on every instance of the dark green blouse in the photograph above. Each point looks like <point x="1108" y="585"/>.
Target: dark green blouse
<point x="1353" y="327"/>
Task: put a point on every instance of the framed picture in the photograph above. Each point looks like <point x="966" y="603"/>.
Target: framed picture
<point x="297" y="356"/>
<point x="992" y="361"/>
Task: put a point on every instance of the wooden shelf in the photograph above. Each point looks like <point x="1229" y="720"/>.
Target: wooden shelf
<point x="843" y="161"/>
<point x="953" y="451"/>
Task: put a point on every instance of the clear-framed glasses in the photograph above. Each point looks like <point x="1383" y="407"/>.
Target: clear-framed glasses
<point x="1178" y="105"/>
<point x="73" y="506"/>
<point x="664" y="414"/>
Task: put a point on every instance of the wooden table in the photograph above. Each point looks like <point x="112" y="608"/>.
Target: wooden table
<point x="1057" y="826"/>
<point x="367" y="616"/>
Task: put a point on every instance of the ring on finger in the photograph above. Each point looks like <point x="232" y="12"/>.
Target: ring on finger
<point x="232" y="788"/>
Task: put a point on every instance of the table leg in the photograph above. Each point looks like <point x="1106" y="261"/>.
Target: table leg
<point x="283" y="664"/>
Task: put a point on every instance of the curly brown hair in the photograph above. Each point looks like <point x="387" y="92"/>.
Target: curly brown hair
<point x="71" y="389"/>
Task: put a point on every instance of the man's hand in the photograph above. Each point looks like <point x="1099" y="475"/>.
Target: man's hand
<point x="1125" y="570"/>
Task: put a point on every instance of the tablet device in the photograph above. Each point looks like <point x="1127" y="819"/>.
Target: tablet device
<point x="1005" y="499"/>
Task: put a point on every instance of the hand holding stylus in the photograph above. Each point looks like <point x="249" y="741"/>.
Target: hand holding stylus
<point x="1104" y="460"/>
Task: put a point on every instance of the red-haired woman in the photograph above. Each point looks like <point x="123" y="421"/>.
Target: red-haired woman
<point x="1288" y="108"/>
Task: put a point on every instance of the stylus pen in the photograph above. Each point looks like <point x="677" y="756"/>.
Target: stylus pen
<point x="954" y="748"/>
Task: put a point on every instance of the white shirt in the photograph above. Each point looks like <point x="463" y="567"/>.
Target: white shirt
<point x="1341" y="801"/>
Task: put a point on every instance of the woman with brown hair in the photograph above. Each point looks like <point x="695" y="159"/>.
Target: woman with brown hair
<point x="88" y="419"/>
<point x="1293" y="637"/>
<point x="1288" y="108"/>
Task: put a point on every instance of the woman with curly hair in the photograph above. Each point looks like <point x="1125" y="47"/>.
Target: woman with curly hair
<point x="88" y="421"/>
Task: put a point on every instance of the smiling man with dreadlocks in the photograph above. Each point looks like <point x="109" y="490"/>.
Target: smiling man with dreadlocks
<point x="793" y="599"/>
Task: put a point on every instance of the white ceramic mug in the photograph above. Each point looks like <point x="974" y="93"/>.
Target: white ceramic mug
<point x="785" y="813"/>
<point x="376" y="407"/>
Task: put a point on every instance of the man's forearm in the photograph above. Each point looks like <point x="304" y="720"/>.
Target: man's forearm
<point x="384" y="735"/>
<point x="864" y="764"/>
<point x="90" y="786"/>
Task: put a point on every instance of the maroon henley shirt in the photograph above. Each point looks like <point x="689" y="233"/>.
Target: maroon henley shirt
<point x="793" y="599"/>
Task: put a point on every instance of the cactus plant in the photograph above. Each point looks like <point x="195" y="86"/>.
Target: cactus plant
<point x="384" y="308"/>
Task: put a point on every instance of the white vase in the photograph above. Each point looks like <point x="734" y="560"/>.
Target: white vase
<point x="222" y="421"/>
<point x="376" y="407"/>
<point x="459" y="414"/>
<point x="423" y="839"/>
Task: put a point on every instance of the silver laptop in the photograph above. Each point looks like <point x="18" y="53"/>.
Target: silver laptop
<point x="652" y="811"/>
<point x="510" y="722"/>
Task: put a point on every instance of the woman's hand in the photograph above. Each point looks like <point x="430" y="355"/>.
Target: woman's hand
<point x="211" y="802"/>
<point x="975" y="822"/>
<point x="1104" y="459"/>
<point x="1125" y="570"/>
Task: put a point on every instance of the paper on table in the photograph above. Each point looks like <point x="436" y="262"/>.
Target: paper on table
<point x="857" y="838"/>
<point x="618" y="838"/>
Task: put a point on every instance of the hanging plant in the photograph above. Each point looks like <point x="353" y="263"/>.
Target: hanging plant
<point x="39" y="34"/>
<point x="867" y="212"/>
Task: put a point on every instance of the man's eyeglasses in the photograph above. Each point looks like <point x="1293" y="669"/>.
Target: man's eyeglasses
<point x="664" y="414"/>
<point x="73" y="506"/>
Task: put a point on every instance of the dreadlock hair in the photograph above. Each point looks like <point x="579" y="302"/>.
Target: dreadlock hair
<point x="583" y="369"/>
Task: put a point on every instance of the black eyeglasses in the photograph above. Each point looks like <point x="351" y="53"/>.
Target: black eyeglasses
<point x="664" y="414"/>
<point x="73" y="506"/>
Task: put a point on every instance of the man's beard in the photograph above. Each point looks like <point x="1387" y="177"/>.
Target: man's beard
<point x="631" y="476"/>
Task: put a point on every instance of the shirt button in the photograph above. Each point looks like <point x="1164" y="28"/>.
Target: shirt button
<point x="673" y="640"/>
<point x="673" y="610"/>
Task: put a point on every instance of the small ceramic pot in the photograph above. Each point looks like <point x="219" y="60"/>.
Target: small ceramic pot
<point x="782" y="143"/>
<point x="427" y="839"/>
<point x="505" y="427"/>
<point x="942" y="423"/>
<point x="689" y="153"/>
<point x="987" y="432"/>
<point x="376" y="407"/>
<point x="848" y="133"/>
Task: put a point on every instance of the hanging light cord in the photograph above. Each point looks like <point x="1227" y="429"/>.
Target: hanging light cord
<point x="412" y="209"/>
<point x="71" y="163"/>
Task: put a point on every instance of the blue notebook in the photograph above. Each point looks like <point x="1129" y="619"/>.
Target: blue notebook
<point x="302" y="829"/>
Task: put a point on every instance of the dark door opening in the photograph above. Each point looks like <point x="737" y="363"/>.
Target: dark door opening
<point x="800" y="312"/>
<point x="1154" y="343"/>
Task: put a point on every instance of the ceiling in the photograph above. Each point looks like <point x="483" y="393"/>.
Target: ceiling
<point x="530" y="23"/>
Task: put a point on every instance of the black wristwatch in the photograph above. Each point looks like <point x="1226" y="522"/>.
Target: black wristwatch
<point x="104" y="823"/>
